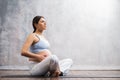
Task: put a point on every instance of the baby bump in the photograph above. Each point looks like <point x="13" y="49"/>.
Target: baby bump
<point x="44" y="53"/>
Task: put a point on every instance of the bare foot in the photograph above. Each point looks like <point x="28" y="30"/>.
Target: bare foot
<point x="56" y="74"/>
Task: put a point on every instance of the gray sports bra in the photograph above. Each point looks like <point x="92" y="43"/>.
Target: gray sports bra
<point x="41" y="45"/>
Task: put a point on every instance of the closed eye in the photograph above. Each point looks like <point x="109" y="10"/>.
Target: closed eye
<point x="42" y="21"/>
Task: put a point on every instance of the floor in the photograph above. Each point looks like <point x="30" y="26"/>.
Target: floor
<point x="73" y="75"/>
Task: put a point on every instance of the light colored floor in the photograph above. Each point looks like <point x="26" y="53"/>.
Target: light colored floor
<point x="81" y="75"/>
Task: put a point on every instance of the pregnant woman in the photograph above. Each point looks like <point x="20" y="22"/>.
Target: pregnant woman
<point x="36" y="49"/>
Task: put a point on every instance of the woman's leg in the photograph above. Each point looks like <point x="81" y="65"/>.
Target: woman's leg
<point x="54" y="63"/>
<point x="48" y="64"/>
<point x="54" y="66"/>
<point x="65" y="65"/>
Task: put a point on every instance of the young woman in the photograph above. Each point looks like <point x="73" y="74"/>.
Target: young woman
<point x="36" y="48"/>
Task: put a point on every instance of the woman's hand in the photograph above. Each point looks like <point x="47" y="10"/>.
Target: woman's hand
<point x="39" y="58"/>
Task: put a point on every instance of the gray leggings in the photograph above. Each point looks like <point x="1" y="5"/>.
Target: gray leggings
<point x="50" y="64"/>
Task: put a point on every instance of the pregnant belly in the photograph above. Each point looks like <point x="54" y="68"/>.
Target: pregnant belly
<point x="44" y="53"/>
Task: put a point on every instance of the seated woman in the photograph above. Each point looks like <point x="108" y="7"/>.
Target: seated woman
<point x="36" y="48"/>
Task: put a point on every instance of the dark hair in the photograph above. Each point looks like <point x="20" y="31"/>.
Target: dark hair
<point x="35" y="21"/>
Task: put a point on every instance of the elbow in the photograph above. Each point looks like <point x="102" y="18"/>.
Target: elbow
<point x="23" y="53"/>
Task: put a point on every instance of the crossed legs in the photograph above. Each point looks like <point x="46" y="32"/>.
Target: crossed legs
<point x="53" y="65"/>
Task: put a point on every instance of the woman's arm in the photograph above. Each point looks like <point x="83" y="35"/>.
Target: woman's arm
<point x="25" y="49"/>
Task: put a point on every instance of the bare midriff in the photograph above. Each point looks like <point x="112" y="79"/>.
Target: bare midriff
<point x="45" y="53"/>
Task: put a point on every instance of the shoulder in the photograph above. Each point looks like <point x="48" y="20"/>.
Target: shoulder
<point x="31" y="36"/>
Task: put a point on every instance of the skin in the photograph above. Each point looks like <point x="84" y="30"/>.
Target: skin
<point x="32" y="39"/>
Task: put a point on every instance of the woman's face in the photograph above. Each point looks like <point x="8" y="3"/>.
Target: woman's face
<point x="41" y="24"/>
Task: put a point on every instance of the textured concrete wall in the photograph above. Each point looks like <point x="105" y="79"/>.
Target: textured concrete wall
<point x="85" y="30"/>
<point x="15" y="25"/>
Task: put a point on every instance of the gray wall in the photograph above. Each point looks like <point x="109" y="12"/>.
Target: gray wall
<point x="85" y="30"/>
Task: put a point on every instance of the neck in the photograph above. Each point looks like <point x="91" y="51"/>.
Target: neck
<point x="39" y="32"/>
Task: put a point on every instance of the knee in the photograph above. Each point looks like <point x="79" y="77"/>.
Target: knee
<point x="69" y="61"/>
<point x="54" y="58"/>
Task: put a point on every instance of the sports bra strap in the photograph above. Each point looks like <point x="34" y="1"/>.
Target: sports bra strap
<point x="37" y="37"/>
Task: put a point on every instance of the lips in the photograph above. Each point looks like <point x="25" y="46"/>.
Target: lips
<point x="45" y="27"/>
